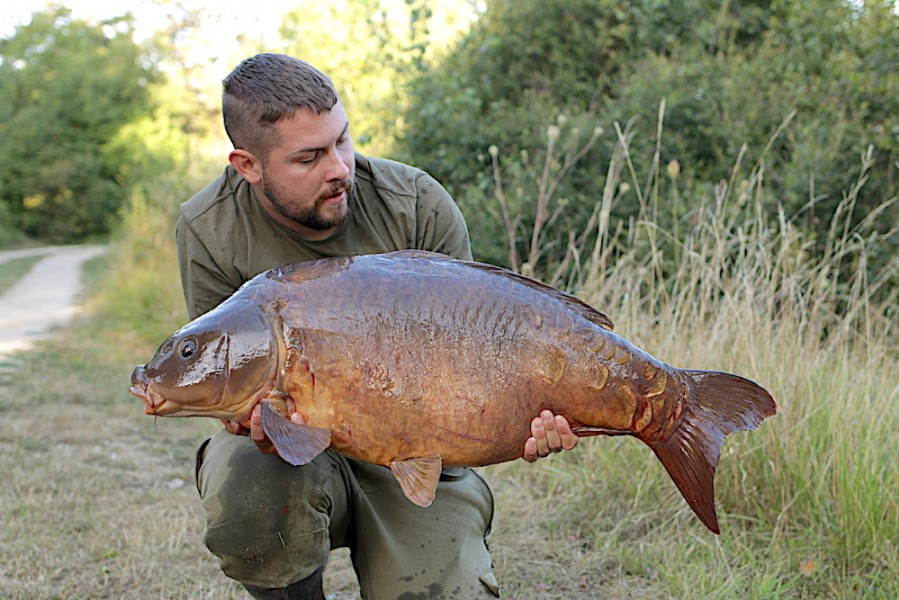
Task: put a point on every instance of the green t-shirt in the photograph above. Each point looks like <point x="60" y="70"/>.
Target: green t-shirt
<point x="225" y="237"/>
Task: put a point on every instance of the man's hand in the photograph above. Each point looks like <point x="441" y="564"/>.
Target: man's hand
<point x="549" y="433"/>
<point x="253" y="426"/>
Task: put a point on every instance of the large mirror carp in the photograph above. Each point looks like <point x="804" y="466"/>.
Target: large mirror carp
<point x="417" y="361"/>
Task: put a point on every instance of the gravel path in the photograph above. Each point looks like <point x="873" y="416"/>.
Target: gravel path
<point x="45" y="298"/>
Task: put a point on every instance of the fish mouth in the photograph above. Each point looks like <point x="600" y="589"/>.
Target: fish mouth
<point x="155" y="403"/>
<point x="158" y="405"/>
<point x="140" y="387"/>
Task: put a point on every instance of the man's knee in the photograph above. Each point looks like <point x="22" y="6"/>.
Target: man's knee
<point x="238" y="482"/>
<point x="436" y="552"/>
<point x="267" y="522"/>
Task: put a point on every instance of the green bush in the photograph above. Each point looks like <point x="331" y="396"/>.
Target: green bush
<point x="801" y="90"/>
<point x="68" y="87"/>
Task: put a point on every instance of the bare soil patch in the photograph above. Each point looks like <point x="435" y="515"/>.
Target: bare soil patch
<point x="45" y="298"/>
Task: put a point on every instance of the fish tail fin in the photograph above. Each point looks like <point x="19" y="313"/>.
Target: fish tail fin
<point x="717" y="405"/>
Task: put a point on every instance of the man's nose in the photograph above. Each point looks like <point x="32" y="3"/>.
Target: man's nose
<point x="338" y="167"/>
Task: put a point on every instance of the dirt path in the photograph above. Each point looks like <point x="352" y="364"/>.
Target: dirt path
<point x="45" y="298"/>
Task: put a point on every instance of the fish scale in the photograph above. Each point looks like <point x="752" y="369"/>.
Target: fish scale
<point x="417" y="361"/>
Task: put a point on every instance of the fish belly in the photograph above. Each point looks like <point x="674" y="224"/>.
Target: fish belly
<point x="454" y="363"/>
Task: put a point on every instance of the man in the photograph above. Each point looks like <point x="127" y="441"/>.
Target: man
<point x="295" y="190"/>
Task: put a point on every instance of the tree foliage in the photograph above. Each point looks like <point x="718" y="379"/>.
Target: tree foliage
<point x="67" y="87"/>
<point x="801" y="90"/>
<point x="805" y="87"/>
<point x="377" y="48"/>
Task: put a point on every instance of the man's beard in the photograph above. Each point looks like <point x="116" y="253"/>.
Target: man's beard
<point x="311" y="218"/>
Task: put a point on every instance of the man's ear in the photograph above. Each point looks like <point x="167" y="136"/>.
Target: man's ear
<point x="246" y="163"/>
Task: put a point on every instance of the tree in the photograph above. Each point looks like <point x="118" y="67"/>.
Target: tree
<point x="67" y="87"/>
<point x="825" y="69"/>
<point x="526" y="61"/>
<point x="378" y="47"/>
<point x="728" y="73"/>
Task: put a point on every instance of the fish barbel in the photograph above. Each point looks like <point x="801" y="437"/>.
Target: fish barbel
<point x="417" y="361"/>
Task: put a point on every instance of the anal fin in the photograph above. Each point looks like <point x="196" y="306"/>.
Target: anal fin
<point x="297" y="444"/>
<point x="418" y="477"/>
<point x="587" y="431"/>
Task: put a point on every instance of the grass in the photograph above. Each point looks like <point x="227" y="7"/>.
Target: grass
<point x="809" y="501"/>
<point x="10" y="237"/>
<point x="99" y="500"/>
<point x="100" y="503"/>
<point x="85" y="482"/>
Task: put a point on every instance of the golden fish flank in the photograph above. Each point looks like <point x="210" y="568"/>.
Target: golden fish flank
<point x="417" y="361"/>
<point x="553" y="366"/>
<point x="599" y="377"/>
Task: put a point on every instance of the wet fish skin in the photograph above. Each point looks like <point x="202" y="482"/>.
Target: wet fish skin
<point x="418" y="361"/>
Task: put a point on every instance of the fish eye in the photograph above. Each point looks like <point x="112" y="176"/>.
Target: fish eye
<point x="187" y="348"/>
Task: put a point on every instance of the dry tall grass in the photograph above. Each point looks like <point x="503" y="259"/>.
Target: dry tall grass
<point x="98" y="500"/>
<point x="809" y="500"/>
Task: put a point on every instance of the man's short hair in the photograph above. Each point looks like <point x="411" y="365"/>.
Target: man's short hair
<point x="266" y="88"/>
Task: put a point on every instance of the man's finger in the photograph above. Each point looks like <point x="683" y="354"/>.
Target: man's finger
<point x="530" y="450"/>
<point x="553" y="440"/>
<point x="568" y="437"/>
<point x="235" y="427"/>
<point x="256" y="431"/>
<point x="538" y="432"/>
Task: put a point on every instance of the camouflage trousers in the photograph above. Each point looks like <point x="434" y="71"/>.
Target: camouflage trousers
<point x="271" y="524"/>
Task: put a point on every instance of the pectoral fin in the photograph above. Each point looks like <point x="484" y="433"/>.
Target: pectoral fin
<point x="297" y="444"/>
<point x="418" y="477"/>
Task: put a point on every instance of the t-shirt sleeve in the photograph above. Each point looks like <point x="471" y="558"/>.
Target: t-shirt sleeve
<point x="440" y="226"/>
<point x="204" y="284"/>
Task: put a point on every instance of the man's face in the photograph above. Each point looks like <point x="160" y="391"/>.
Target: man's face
<point x="308" y="177"/>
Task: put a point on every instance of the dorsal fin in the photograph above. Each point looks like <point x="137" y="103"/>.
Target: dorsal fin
<point x="571" y="302"/>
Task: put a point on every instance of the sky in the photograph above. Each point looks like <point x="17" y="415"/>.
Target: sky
<point x="19" y="12"/>
<point x="213" y="45"/>
<point x="234" y="13"/>
<point x="228" y="18"/>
